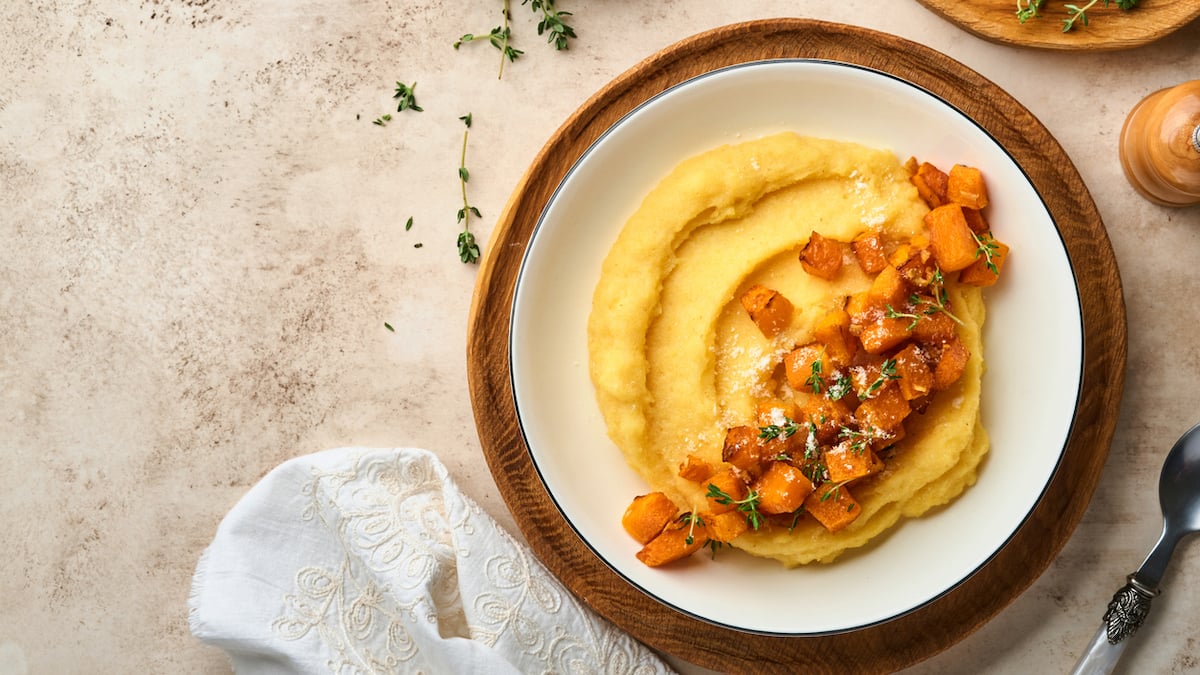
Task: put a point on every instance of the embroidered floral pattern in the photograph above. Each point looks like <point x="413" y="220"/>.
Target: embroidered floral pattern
<point x="421" y="564"/>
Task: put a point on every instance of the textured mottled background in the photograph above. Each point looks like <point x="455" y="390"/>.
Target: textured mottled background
<point x="202" y="235"/>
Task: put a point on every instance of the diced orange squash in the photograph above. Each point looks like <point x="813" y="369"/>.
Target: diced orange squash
<point x="725" y="527"/>
<point x="833" y="330"/>
<point x="781" y="488"/>
<point x="911" y="164"/>
<point x="934" y="329"/>
<point x="672" y="544"/>
<point x="978" y="273"/>
<point x="696" y="469"/>
<point x="769" y="310"/>
<point x="845" y="462"/>
<point x="798" y="367"/>
<point x="951" y="364"/>
<point x="975" y="220"/>
<point x="953" y="245"/>
<point x="931" y="183"/>
<point x="857" y="305"/>
<point x="884" y="411"/>
<point x="648" y="515"/>
<point x="884" y="333"/>
<point x="730" y="484"/>
<point x="743" y="449"/>
<point x="919" y="269"/>
<point x="867" y="368"/>
<point x="778" y="413"/>
<point x="832" y="505"/>
<point x="916" y="378"/>
<point x="965" y="186"/>
<point x="888" y="288"/>
<point x="868" y="250"/>
<point x="826" y="416"/>
<point x="822" y="257"/>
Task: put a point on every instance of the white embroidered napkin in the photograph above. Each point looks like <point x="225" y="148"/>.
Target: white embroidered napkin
<point x="372" y="561"/>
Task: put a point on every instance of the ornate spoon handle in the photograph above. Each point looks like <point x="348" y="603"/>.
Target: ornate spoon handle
<point x="1126" y="612"/>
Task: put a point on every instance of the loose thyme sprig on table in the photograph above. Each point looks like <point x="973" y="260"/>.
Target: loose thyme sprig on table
<point x="553" y="23"/>
<point x="1029" y="9"/>
<point x="468" y="250"/>
<point x="499" y="37"/>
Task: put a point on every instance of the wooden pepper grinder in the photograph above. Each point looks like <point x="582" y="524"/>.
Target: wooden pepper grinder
<point x="1160" y="145"/>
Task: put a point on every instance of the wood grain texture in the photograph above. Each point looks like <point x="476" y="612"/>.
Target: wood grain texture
<point x="1108" y="29"/>
<point x="936" y="626"/>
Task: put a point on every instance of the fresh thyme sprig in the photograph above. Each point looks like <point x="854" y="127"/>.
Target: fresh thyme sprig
<point x="814" y="379"/>
<point x="1028" y="9"/>
<point x="773" y="431"/>
<point x="841" y="386"/>
<point x="987" y="248"/>
<point x="887" y="372"/>
<point x="748" y="506"/>
<point x="891" y="313"/>
<point x="407" y="96"/>
<point x="468" y="250"/>
<point x="940" y="301"/>
<point x="691" y="520"/>
<point x="861" y="438"/>
<point x="553" y="23"/>
<point x="499" y="37"/>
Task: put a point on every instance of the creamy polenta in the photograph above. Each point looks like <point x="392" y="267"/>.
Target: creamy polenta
<point x="676" y="361"/>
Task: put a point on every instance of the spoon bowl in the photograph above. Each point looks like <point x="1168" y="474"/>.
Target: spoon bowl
<point x="1179" y="499"/>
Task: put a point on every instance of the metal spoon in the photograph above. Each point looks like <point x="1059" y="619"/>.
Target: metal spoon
<point x="1179" y="497"/>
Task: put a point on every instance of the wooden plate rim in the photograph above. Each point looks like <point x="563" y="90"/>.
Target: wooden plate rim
<point x="927" y="630"/>
<point x="996" y="21"/>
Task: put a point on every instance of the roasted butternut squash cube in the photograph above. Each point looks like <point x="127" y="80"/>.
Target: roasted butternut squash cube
<point x="730" y="484"/>
<point x="965" y="186"/>
<point x="950" y="238"/>
<point x="648" y="515"/>
<point x="888" y="288"/>
<point x="833" y="331"/>
<point x="916" y="378"/>
<point x="781" y="488"/>
<point x="822" y="257"/>
<point x="931" y="183"/>
<point x="804" y="368"/>
<point x="885" y="333"/>
<point x="884" y="411"/>
<point x="934" y="329"/>
<point x="743" y="449"/>
<point x="950" y="365"/>
<point x="848" y="461"/>
<point x="832" y="505"/>
<point x="781" y="414"/>
<point x="825" y="415"/>
<point x="868" y="250"/>
<point x="696" y="469"/>
<point x="678" y="541"/>
<point x="975" y="220"/>
<point x="725" y="527"/>
<point x="980" y="273"/>
<point x="769" y="310"/>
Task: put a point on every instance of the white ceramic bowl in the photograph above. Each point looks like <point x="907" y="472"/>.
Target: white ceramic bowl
<point x="1033" y="340"/>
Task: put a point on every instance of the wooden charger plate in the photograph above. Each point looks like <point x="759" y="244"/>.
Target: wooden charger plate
<point x="1109" y="28"/>
<point x="919" y="634"/>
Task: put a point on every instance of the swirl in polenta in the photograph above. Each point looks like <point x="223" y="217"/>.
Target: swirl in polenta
<point x="785" y="343"/>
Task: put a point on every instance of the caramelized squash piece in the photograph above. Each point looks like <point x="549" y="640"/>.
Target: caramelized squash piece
<point x="781" y="488"/>
<point x="833" y="331"/>
<point x="846" y="462"/>
<point x="868" y="250"/>
<point x="916" y="378"/>
<point x="673" y="543"/>
<point x="979" y="273"/>
<point x="965" y="186"/>
<point x="884" y="333"/>
<point x="931" y="183"/>
<point x="951" y="364"/>
<point x="975" y="220"/>
<point x="725" y="527"/>
<point x="798" y="368"/>
<point x="951" y="240"/>
<point x="833" y="506"/>
<point x="822" y="257"/>
<point x="648" y="515"/>
<point x="743" y="449"/>
<point x="769" y="310"/>
<point x="696" y="469"/>
<point x="888" y="288"/>
<point x="886" y="410"/>
<point x="728" y="482"/>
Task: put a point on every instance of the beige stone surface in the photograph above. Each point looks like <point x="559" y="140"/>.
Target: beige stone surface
<point x="202" y="235"/>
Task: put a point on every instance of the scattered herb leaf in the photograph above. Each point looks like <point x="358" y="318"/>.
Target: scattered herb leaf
<point x="553" y="23"/>
<point x="407" y="97"/>
<point x="748" y="506"/>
